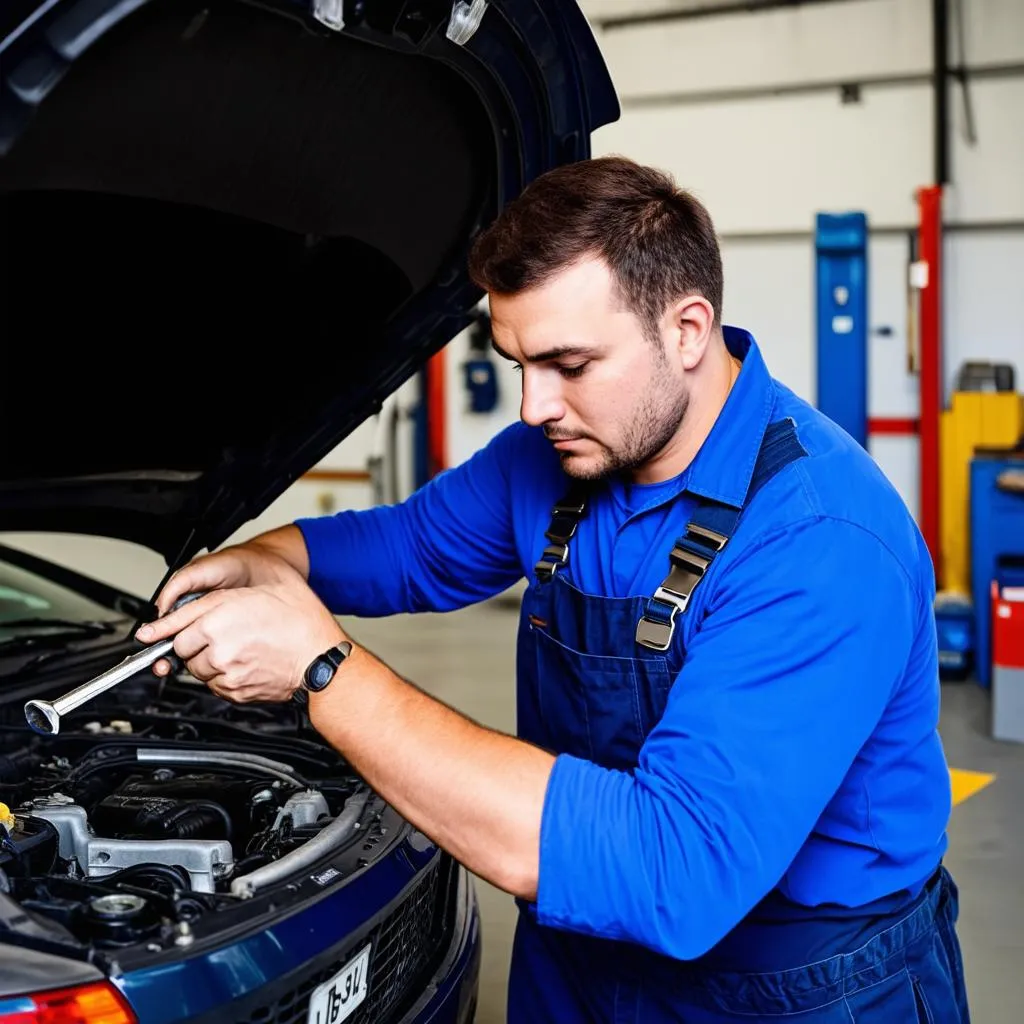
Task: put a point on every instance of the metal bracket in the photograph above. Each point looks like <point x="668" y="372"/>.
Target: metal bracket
<point x="205" y="860"/>
<point x="465" y="20"/>
<point x="330" y="13"/>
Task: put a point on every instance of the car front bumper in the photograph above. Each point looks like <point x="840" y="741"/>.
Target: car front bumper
<point x="450" y="997"/>
<point x="269" y="976"/>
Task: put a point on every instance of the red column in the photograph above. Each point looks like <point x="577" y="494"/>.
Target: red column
<point x="437" y="454"/>
<point x="930" y="253"/>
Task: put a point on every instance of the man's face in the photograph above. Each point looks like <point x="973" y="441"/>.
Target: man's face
<point x="608" y="396"/>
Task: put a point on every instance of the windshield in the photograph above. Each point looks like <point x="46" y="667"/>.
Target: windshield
<point x="29" y="602"/>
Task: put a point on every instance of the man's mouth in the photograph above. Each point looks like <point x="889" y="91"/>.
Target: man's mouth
<point x="565" y="442"/>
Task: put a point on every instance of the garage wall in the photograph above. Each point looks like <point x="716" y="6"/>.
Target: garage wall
<point x="746" y="110"/>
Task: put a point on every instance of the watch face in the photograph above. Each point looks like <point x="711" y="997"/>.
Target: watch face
<point x="320" y="674"/>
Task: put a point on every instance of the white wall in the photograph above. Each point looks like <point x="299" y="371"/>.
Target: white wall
<point x="727" y="103"/>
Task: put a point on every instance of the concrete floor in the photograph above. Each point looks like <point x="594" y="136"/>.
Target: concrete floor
<point x="466" y="658"/>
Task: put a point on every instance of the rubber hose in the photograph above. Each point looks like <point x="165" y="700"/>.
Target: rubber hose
<point x="178" y="876"/>
<point x="194" y="817"/>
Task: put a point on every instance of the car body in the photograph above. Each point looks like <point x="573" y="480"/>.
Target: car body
<point x="229" y="231"/>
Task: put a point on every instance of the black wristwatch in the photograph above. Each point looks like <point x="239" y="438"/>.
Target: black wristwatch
<point x="322" y="668"/>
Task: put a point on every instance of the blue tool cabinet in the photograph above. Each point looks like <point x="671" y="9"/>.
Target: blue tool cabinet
<point x="997" y="542"/>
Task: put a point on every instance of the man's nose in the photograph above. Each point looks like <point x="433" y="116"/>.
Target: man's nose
<point x="542" y="400"/>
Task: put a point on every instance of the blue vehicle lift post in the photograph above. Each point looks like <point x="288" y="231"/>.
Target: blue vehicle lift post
<point x="841" y="271"/>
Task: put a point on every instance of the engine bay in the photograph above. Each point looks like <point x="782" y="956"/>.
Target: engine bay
<point x="149" y="820"/>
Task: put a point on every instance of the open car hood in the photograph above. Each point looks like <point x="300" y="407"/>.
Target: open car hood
<point x="229" y="230"/>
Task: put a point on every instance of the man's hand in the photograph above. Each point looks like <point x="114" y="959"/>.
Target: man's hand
<point x="271" y="558"/>
<point x="250" y="643"/>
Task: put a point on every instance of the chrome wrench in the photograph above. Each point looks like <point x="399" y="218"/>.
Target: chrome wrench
<point x="44" y="716"/>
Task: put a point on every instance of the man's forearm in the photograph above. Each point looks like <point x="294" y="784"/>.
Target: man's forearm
<point x="287" y="543"/>
<point x="479" y="794"/>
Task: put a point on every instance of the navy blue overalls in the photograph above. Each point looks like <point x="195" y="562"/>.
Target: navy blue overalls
<point x="594" y="677"/>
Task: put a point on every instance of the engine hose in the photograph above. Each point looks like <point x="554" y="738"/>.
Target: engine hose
<point x="332" y="837"/>
<point x="188" y="821"/>
<point x="14" y="767"/>
<point x="177" y="876"/>
<point x="251" y="862"/>
<point x="228" y="758"/>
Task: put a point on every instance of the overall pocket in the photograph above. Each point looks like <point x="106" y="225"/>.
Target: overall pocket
<point x="598" y="707"/>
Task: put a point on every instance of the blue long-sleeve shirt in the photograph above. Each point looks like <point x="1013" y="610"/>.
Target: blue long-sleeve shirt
<point x="799" y="747"/>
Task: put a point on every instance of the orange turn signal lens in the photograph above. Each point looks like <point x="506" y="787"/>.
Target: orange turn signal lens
<point x="99" y="1003"/>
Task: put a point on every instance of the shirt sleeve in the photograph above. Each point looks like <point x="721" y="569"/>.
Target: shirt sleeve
<point x="806" y="638"/>
<point x="448" y="545"/>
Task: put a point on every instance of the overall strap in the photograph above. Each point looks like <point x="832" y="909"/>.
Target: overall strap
<point x="565" y="517"/>
<point x="707" y="532"/>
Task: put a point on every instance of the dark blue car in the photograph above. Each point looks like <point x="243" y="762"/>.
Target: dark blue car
<point x="228" y="231"/>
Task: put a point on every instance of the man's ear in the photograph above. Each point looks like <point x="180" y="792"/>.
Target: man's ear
<point x="690" y="322"/>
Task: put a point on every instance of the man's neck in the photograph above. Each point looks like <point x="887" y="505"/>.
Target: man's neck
<point x="710" y="385"/>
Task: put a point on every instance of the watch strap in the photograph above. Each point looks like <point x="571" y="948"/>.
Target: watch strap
<point x="333" y="656"/>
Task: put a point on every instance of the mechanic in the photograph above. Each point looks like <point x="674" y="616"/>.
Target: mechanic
<point x="727" y="799"/>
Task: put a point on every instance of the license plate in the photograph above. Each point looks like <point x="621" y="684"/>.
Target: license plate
<point x="337" y="998"/>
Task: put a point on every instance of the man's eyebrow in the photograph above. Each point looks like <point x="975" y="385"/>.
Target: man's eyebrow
<point x="548" y="354"/>
<point x="501" y="352"/>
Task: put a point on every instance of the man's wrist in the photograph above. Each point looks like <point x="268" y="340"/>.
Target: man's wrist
<point x="329" y="640"/>
<point x="330" y="705"/>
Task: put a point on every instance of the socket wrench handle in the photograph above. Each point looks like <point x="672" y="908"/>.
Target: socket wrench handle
<point x="44" y="716"/>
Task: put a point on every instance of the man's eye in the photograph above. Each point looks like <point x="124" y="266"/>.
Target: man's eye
<point x="572" y="371"/>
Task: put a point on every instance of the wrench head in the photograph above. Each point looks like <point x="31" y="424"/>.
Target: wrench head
<point x="42" y="718"/>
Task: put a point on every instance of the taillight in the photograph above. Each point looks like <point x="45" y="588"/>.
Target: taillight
<point x="99" y="1003"/>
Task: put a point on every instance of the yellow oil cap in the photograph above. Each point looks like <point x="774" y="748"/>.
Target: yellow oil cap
<point x="6" y="818"/>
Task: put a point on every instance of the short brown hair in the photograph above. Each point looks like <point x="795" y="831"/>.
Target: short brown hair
<point x="658" y="240"/>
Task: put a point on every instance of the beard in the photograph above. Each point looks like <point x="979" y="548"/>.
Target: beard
<point x="655" y="423"/>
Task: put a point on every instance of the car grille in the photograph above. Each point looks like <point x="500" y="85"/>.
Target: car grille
<point x="402" y="946"/>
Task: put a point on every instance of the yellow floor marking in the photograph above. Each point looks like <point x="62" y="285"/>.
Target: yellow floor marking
<point x="966" y="784"/>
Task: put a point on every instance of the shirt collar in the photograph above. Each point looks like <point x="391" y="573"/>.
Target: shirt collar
<point x="723" y="467"/>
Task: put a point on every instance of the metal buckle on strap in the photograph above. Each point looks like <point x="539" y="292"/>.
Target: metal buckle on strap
<point x="562" y="528"/>
<point x="711" y="538"/>
<point x="655" y="633"/>
<point x="565" y="518"/>
<point x="554" y="557"/>
<point x="569" y="507"/>
<point x="656" y="630"/>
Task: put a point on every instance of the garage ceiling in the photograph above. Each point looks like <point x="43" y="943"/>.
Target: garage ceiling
<point x="598" y="10"/>
<point x="615" y="11"/>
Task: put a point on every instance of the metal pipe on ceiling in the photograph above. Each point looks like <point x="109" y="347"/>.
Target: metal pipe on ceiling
<point x="940" y="44"/>
<point x="706" y="10"/>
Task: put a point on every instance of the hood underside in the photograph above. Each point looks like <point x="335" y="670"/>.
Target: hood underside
<point x="229" y="232"/>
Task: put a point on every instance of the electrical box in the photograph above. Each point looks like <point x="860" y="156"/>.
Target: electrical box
<point x="481" y="379"/>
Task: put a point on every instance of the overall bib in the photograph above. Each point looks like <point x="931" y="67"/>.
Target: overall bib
<point x="594" y="678"/>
